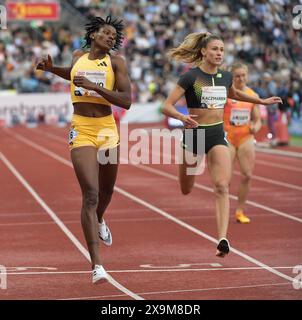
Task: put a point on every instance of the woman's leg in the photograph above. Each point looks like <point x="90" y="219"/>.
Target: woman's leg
<point x="233" y="153"/>
<point x="219" y="164"/>
<point x="107" y="177"/>
<point x="189" y="167"/>
<point x="246" y="157"/>
<point x="86" y="167"/>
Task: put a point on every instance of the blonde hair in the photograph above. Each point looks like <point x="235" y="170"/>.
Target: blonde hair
<point x="190" y="49"/>
<point x="239" y="65"/>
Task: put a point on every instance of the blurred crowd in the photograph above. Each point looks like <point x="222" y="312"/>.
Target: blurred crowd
<point x="257" y="32"/>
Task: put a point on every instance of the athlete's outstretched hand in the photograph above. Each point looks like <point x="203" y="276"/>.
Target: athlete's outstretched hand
<point x="188" y="121"/>
<point x="272" y="100"/>
<point x="45" y="64"/>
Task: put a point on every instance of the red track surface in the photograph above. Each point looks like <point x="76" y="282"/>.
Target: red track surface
<point x="162" y="241"/>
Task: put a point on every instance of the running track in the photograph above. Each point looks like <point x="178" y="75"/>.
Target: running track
<point x="163" y="242"/>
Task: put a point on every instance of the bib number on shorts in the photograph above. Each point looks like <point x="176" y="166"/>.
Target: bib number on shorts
<point x="97" y="77"/>
<point x="72" y="134"/>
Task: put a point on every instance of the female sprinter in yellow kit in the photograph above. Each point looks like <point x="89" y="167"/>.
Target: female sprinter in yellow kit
<point x="97" y="81"/>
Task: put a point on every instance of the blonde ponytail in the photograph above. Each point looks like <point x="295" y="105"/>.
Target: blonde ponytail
<point x="189" y="51"/>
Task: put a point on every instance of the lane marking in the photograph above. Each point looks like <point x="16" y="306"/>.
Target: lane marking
<point x="254" y="177"/>
<point x="167" y="215"/>
<point x="184" y="290"/>
<point x="17" y="224"/>
<point x="61" y="225"/>
<point x="292" y="154"/>
<point x="276" y="165"/>
<point x="275" y="182"/>
<point x="267" y="163"/>
<point x="113" y="220"/>
<point x="181" y="265"/>
<point x="164" y="174"/>
<point x="146" y="270"/>
<point x="70" y="212"/>
<point x="200" y="233"/>
<point x="200" y="186"/>
<point x="149" y="130"/>
<point x="12" y="269"/>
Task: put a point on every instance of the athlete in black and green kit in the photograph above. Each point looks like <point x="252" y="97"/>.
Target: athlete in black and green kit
<point x="206" y="89"/>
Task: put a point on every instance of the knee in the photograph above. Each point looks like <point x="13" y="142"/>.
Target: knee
<point x="221" y="188"/>
<point x="246" y="177"/>
<point x="90" y="198"/>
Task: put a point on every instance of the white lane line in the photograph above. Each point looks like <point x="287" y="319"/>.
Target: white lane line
<point x="276" y="165"/>
<point x="200" y="233"/>
<point x="271" y="181"/>
<point x="292" y="154"/>
<point x="24" y="224"/>
<point x="167" y="215"/>
<point x="254" y="177"/>
<point x="117" y="220"/>
<point x="200" y="186"/>
<point x="71" y="212"/>
<point x="54" y="136"/>
<point x="170" y="176"/>
<point x="61" y="225"/>
<point x="16" y="273"/>
<point x="184" y="290"/>
<point x="112" y="220"/>
<point x="20" y="214"/>
<point x="267" y="163"/>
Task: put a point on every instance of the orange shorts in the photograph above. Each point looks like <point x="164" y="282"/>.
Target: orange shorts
<point x="238" y="135"/>
<point x="100" y="133"/>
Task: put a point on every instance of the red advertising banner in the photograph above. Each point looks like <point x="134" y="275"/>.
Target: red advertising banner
<point x="33" y="10"/>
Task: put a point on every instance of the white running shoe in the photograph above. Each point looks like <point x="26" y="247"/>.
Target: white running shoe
<point x="105" y="234"/>
<point x="99" y="275"/>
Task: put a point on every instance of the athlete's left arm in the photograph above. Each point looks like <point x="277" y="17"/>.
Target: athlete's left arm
<point x="236" y="94"/>
<point x="256" y="123"/>
<point x="122" y="96"/>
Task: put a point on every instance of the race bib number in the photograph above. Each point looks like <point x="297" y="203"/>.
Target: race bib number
<point x="97" y="77"/>
<point x="240" y="117"/>
<point x="213" y="97"/>
<point x="72" y="134"/>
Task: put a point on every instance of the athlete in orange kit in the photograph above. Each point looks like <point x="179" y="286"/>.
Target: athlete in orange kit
<point x="241" y="121"/>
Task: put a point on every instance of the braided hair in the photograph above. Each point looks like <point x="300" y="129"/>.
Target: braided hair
<point x="97" y="22"/>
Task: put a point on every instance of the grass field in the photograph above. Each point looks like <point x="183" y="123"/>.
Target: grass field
<point x="296" y="141"/>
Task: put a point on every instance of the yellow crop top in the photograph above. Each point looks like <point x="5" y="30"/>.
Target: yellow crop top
<point x="99" y="71"/>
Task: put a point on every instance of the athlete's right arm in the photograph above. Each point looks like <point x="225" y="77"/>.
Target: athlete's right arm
<point x="170" y="110"/>
<point x="64" y="72"/>
<point x="256" y="123"/>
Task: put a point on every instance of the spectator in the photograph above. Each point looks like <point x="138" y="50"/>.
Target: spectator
<point x="153" y="27"/>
